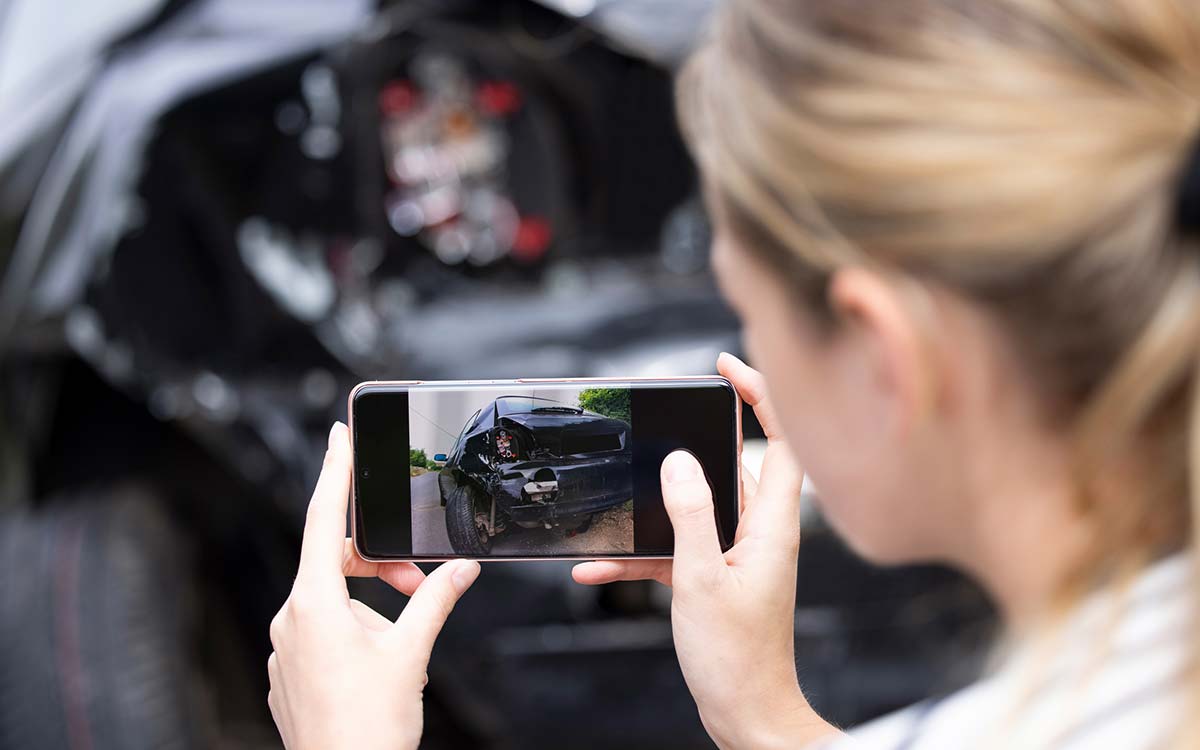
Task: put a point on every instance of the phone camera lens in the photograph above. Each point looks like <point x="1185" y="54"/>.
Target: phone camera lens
<point x="366" y="473"/>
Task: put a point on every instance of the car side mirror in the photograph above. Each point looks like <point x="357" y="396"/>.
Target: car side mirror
<point x="439" y="457"/>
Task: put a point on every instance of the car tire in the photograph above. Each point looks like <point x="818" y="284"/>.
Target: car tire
<point x="460" y="522"/>
<point x="96" y="592"/>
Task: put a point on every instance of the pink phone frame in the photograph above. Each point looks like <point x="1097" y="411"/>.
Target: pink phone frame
<point x="523" y="381"/>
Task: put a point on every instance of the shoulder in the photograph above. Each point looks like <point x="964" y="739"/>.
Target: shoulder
<point x="949" y="722"/>
<point x="1112" y="677"/>
<point x="990" y="710"/>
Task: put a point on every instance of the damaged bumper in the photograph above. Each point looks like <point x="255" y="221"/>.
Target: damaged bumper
<point x="545" y="490"/>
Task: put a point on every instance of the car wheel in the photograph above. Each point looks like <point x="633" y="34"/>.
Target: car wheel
<point x="468" y="535"/>
<point x="96" y="592"/>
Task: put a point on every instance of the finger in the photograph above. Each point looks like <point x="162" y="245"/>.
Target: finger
<point x="275" y="700"/>
<point x="426" y="613"/>
<point x="775" y="512"/>
<point x="780" y="474"/>
<point x="740" y="436"/>
<point x="749" y="492"/>
<point x="402" y="576"/>
<point x="752" y="388"/>
<point x="278" y="625"/>
<point x="369" y="618"/>
<point x="749" y="489"/>
<point x="273" y="704"/>
<point x="749" y="483"/>
<point x="325" y="526"/>
<point x="688" y="499"/>
<point x="606" y="571"/>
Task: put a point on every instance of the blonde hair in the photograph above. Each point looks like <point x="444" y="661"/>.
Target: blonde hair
<point x="1025" y="153"/>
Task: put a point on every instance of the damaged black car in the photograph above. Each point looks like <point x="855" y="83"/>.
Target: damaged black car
<point x="532" y="462"/>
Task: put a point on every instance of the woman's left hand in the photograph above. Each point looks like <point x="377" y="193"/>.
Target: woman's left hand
<point x="342" y="675"/>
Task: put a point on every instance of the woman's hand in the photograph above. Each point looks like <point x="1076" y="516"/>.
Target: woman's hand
<point x="732" y="614"/>
<point x="342" y="675"/>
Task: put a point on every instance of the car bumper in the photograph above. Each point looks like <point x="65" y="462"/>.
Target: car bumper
<point x="582" y="486"/>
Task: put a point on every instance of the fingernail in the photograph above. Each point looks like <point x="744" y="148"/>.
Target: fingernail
<point x="680" y="466"/>
<point x="465" y="573"/>
<point x="334" y="432"/>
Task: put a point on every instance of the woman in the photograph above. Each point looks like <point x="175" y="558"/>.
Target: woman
<point x="963" y="237"/>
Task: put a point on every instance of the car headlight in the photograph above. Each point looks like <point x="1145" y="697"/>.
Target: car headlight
<point x="507" y="447"/>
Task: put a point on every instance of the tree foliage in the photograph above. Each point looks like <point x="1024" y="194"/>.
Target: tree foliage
<point x="417" y="458"/>
<point x="611" y="402"/>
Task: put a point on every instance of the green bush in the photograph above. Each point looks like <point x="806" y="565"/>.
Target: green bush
<point x="611" y="402"/>
<point x="417" y="458"/>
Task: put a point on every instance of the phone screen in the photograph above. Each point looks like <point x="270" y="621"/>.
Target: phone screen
<point x="529" y="470"/>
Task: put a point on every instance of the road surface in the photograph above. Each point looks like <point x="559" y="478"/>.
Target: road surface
<point x="428" y="517"/>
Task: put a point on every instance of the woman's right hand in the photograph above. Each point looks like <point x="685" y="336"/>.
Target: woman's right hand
<point x="732" y="614"/>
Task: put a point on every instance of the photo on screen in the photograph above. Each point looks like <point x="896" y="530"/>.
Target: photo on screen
<point x="521" y="471"/>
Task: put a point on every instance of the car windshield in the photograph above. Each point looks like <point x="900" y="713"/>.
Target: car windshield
<point x="523" y="404"/>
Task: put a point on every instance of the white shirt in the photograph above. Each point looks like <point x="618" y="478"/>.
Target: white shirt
<point x="1111" y="677"/>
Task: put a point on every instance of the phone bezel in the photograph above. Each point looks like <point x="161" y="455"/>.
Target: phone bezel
<point x="737" y="420"/>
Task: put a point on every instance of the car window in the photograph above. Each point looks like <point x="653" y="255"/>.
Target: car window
<point x="468" y="427"/>
<point x="481" y="416"/>
<point x="523" y="404"/>
<point x="514" y="404"/>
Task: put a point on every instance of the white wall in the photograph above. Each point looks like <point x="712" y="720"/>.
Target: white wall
<point x="436" y="416"/>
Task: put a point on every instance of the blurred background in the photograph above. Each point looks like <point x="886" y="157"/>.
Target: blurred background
<point x="216" y="216"/>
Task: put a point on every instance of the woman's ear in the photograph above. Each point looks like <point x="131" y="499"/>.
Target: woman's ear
<point x="883" y="326"/>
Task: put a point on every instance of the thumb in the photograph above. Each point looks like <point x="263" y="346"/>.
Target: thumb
<point x="422" y="619"/>
<point x="688" y="500"/>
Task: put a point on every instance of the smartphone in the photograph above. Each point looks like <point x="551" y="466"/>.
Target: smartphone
<point x="534" y="468"/>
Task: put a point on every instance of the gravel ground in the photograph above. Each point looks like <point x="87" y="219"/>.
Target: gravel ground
<point x="611" y="531"/>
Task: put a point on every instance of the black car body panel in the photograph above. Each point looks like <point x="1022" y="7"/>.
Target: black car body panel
<point x="570" y="434"/>
<point x="593" y="484"/>
<point x="577" y="462"/>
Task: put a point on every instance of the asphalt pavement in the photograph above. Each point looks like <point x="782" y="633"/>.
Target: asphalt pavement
<point x="428" y="517"/>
